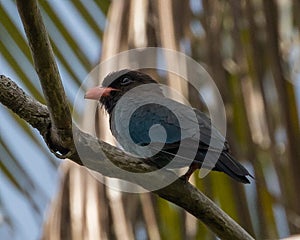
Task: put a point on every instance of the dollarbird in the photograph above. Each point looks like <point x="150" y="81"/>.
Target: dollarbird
<point x="149" y="124"/>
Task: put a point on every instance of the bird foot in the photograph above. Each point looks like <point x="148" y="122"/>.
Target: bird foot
<point x="184" y="178"/>
<point x="194" y="166"/>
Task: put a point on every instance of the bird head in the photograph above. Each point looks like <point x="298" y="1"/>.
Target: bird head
<point x="115" y="85"/>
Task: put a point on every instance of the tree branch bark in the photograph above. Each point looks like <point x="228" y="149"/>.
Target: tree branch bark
<point x="98" y="155"/>
<point x="47" y="70"/>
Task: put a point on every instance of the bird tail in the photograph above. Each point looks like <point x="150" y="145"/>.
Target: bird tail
<point x="233" y="168"/>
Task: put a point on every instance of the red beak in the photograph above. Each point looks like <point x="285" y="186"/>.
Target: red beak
<point x="97" y="92"/>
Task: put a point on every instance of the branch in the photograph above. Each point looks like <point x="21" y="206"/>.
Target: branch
<point x="98" y="156"/>
<point x="47" y="70"/>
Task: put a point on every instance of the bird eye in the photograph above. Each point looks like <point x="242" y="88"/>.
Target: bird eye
<point x="126" y="81"/>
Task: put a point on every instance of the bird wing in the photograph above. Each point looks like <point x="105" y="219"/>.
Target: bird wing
<point x="179" y="121"/>
<point x="174" y="124"/>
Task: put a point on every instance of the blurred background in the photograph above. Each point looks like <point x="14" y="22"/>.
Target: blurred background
<point x="251" y="48"/>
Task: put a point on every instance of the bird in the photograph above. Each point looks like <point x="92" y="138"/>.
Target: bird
<point x="147" y="119"/>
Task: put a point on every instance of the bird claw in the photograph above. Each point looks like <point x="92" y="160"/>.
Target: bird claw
<point x="184" y="178"/>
